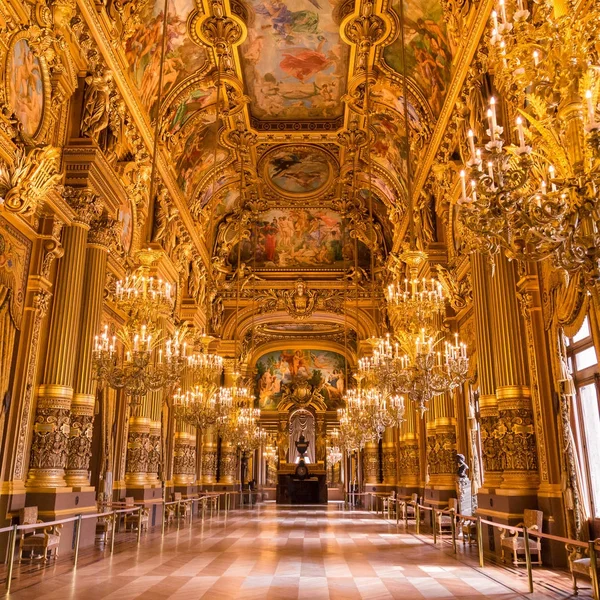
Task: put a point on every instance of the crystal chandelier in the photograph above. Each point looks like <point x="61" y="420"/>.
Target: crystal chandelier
<point x="427" y="372"/>
<point x="334" y="454"/>
<point x="203" y="403"/>
<point x="242" y="429"/>
<point x="539" y="198"/>
<point x="145" y="364"/>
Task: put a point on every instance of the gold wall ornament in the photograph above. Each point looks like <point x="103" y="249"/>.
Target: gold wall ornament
<point x="96" y="103"/>
<point x="458" y="292"/>
<point x="25" y="182"/>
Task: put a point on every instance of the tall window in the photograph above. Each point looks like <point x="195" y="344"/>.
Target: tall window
<point x="583" y="364"/>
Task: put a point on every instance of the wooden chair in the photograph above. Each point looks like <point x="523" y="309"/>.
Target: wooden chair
<point x="580" y="565"/>
<point x="389" y="505"/>
<point x="132" y="518"/>
<point x="411" y="507"/>
<point x="185" y="508"/>
<point x="515" y="542"/>
<point x="104" y="527"/>
<point x="39" y="540"/>
<point x="444" y="522"/>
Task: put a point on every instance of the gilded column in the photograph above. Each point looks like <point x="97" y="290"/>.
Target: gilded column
<point x="209" y="457"/>
<point x="154" y="437"/>
<point x="488" y="403"/>
<point x="49" y="448"/>
<point x="371" y="463"/>
<point x="389" y="457"/>
<point x="408" y="452"/>
<point x="515" y="430"/>
<point x="228" y="464"/>
<point x="185" y="459"/>
<point x="101" y="235"/>
<point x="138" y="451"/>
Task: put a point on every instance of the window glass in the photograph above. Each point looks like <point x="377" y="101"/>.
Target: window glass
<point x="591" y="424"/>
<point x="586" y="358"/>
<point x="584" y="332"/>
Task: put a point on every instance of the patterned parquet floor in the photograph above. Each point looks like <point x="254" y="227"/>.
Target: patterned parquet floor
<point x="274" y="552"/>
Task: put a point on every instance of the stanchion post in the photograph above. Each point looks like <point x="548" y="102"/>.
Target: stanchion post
<point x="112" y="535"/>
<point x="406" y="515"/>
<point x="11" y="556"/>
<point x="418" y="518"/>
<point x="433" y="516"/>
<point x="77" y="537"/>
<point x="594" y="570"/>
<point x="192" y="512"/>
<point x="453" y="529"/>
<point x="178" y="512"/>
<point x="480" y="541"/>
<point x="528" y="558"/>
<point x="139" y="531"/>
<point x="164" y="518"/>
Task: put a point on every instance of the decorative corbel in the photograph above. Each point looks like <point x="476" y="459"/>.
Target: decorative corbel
<point x="222" y="32"/>
<point x="460" y="293"/>
<point x="365" y="31"/>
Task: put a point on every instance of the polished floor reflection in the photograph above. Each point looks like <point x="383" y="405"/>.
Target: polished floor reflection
<point x="290" y="553"/>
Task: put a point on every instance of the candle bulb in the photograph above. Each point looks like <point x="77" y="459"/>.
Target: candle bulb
<point x="520" y="133"/>
<point x="552" y="174"/>
<point x="474" y="193"/>
<point x="463" y="185"/>
<point x="491" y="170"/>
<point x="590" y="107"/>
<point x="470" y="137"/>
<point x="536" y="58"/>
<point x="502" y="11"/>
<point x="491" y="125"/>
<point x="493" y="109"/>
<point x="495" y="19"/>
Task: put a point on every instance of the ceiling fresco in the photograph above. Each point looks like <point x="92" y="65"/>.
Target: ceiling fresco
<point x="294" y="61"/>
<point x="427" y="49"/>
<point x="300" y="238"/>
<point x="143" y="50"/>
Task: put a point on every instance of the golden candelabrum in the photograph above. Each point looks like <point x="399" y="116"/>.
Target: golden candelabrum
<point x="203" y="402"/>
<point x="539" y="197"/>
<point x="146" y="363"/>
<point x="148" y="359"/>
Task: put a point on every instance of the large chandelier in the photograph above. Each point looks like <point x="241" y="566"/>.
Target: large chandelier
<point x="539" y="198"/>
<point x="149" y="360"/>
<point x="242" y="429"/>
<point x="334" y="453"/>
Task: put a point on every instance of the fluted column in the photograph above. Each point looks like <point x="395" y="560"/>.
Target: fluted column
<point x="441" y="444"/>
<point x="184" y="465"/>
<point x="154" y="438"/>
<point x="49" y="448"/>
<point x="515" y="429"/>
<point x="488" y="403"/>
<point x="408" y="452"/>
<point x="82" y="408"/>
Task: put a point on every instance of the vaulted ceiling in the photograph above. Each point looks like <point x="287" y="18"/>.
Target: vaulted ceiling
<point x="290" y="79"/>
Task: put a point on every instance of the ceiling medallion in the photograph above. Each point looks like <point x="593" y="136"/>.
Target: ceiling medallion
<point x="298" y="170"/>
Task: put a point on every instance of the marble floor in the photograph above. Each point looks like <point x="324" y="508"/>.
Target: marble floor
<point x="273" y="552"/>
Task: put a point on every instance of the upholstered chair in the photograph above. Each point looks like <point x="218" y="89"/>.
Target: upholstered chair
<point x="580" y="565"/>
<point x="515" y="542"/>
<point x="444" y="522"/>
<point x="39" y="541"/>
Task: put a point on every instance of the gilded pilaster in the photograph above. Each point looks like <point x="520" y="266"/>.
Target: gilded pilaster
<point x="441" y="444"/>
<point x="228" y="464"/>
<point x="515" y="428"/>
<point x="408" y="451"/>
<point x="184" y="464"/>
<point x="389" y="456"/>
<point x="101" y="235"/>
<point x="49" y="449"/>
<point x="488" y="403"/>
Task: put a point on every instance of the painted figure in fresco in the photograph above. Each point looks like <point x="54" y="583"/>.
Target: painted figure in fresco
<point x="303" y="63"/>
<point x="270" y="232"/>
<point x="26" y="87"/>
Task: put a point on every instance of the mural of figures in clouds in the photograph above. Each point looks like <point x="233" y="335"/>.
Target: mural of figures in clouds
<point x="277" y="369"/>
<point x="26" y="87"/>
<point x="428" y="55"/>
<point x="301" y="238"/>
<point x="295" y="64"/>
<point x="142" y="49"/>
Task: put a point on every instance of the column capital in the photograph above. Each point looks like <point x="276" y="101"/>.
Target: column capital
<point x="104" y="232"/>
<point x="86" y="204"/>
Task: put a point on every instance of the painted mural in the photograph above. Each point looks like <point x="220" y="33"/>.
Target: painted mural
<point x="126" y="219"/>
<point x="428" y="55"/>
<point x="294" y="60"/>
<point x="277" y="369"/>
<point x="26" y="87"/>
<point x="389" y="147"/>
<point x="184" y="108"/>
<point x="298" y="169"/>
<point x="183" y="56"/>
<point x="198" y="153"/>
<point x="300" y="238"/>
<point x="15" y="252"/>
